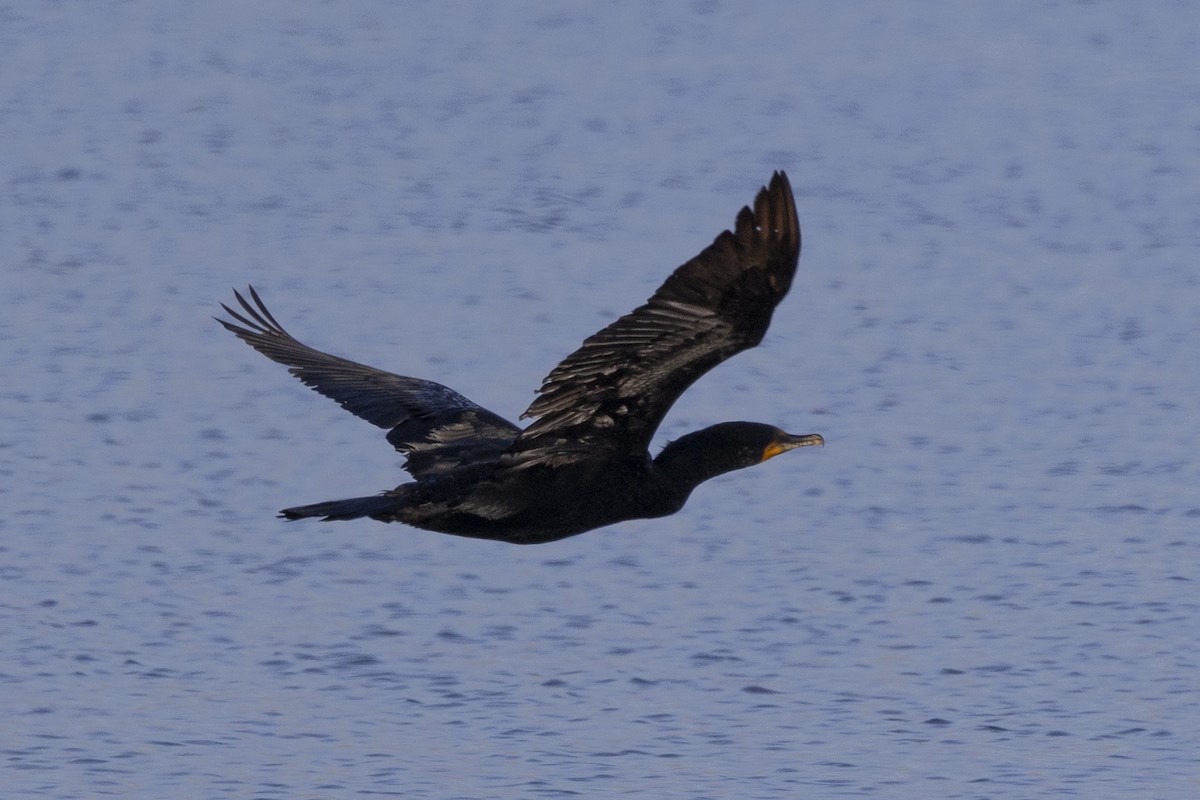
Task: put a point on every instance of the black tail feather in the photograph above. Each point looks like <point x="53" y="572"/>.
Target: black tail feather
<point x="352" y="508"/>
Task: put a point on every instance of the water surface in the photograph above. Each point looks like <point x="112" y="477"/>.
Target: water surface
<point x="984" y="586"/>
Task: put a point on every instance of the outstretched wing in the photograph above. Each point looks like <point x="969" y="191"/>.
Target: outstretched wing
<point x="615" y="389"/>
<point x="434" y="425"/>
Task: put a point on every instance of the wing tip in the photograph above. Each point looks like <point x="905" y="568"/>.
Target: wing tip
<point x="773" y="218"/>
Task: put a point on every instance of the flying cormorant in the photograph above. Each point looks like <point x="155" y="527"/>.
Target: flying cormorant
<point x="584" y="462"/>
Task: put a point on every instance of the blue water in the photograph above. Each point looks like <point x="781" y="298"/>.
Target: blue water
<point x="984" y="586"/>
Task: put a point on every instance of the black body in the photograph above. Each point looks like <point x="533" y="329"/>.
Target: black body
<point x="584" y="462"/>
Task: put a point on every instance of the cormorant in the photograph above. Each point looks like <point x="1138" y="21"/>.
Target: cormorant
<point x="584" y="462"/>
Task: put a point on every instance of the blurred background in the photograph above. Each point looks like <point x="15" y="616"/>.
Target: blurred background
<point x="983" y="586"/>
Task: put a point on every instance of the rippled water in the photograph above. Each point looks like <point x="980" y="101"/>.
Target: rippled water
<point x="984" y="586"/>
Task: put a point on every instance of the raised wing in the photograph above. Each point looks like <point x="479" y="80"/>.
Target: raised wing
<point x="615" y="389"/>
<point x="434" y="425"/>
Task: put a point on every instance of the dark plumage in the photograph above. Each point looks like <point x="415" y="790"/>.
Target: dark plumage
<point x="584" y="462"/>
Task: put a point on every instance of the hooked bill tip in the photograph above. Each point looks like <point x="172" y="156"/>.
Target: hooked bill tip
<point x="789" y="442"/>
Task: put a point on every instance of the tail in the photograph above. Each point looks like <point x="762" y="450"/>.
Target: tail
<point x="352" y="508"/>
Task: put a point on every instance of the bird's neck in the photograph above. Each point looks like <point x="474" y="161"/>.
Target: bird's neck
<point x="692" y="459"/>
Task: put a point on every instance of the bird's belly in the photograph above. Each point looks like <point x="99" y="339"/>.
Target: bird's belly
<point x="545" y="514"/>
<point x="529" y="526"/>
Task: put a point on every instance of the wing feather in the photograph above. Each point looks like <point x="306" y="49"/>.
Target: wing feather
<point x="436" y="426"/>
<point x="617" y="387"/>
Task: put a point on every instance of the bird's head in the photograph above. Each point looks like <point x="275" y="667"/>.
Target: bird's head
<point x="721" y="448"/>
